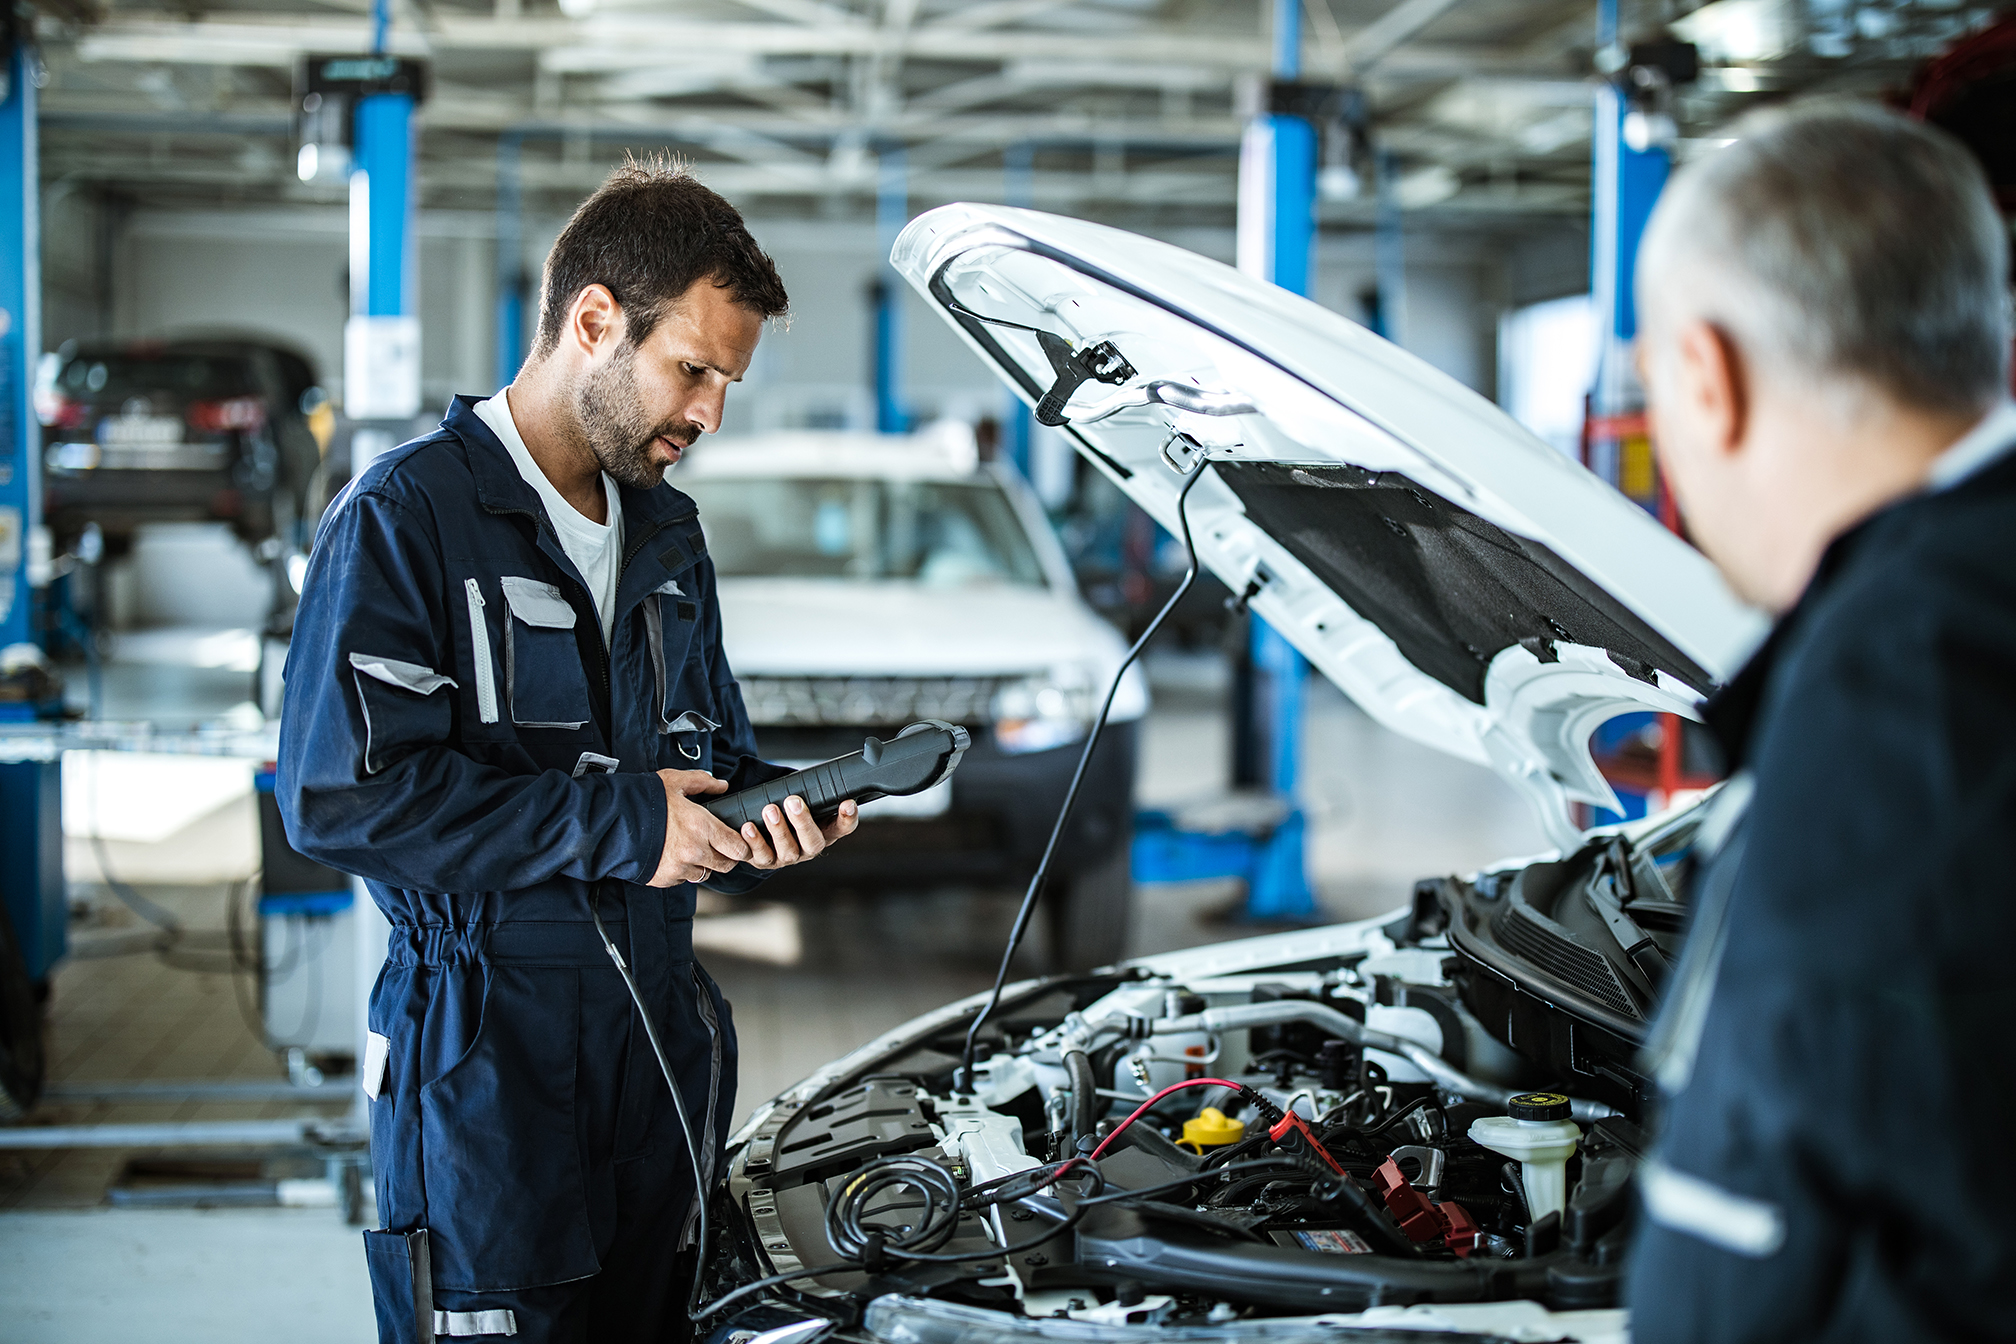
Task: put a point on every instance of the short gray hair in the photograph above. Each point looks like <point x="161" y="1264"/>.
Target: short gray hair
<point x="1848" y="240"/>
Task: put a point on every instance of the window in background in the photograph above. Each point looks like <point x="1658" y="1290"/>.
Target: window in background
<point x="1547" y="356"/>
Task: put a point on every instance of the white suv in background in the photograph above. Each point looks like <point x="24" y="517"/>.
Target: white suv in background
<point x="869" y="581"/>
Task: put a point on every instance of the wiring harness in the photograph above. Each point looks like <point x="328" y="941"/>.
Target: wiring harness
<point x="865" y="1245"/>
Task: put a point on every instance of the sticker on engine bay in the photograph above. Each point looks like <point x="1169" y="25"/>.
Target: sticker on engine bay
<point x="1334" y="1241"/>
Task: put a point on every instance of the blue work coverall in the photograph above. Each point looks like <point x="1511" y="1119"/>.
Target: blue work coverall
<point x="457" y="733"/>
<point x="1837" y="1045"/>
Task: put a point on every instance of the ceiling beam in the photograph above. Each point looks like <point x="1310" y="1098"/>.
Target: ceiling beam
<point x="973" y="18"/>
<point x="253" y="39"/>
<point x="1384" y="35"/>
<point x="736" y="180"/>
<point x="1053" y="191"/>
<point x="813" y="13"/>
<point x="481" y="113"/>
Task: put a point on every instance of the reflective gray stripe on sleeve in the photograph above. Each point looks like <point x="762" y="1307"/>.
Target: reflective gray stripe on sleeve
<point x="479" y="643"/>
<point x="406" y="676"/>
<point x="1736" y="1223"/>
<point x="499" y="1322"/>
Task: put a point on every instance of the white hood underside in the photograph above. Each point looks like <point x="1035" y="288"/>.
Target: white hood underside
<point x="1253" y="376"/>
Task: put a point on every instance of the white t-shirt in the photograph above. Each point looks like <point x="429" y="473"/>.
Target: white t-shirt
<point x="595" y="548"/>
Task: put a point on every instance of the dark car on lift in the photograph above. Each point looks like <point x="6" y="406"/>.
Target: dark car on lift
<point x="210" y="430"/>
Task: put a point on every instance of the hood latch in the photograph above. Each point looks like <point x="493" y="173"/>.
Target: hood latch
<point x="1074" y="368"/>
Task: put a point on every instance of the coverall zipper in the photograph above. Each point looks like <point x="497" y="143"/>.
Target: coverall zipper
<point x="479" y="635"/>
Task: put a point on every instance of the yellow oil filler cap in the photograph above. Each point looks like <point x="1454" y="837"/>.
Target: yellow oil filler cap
<point x="1212" y="1128"/>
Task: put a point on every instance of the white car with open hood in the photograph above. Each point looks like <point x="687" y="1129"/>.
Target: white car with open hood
<point x="1424" y="1121"/>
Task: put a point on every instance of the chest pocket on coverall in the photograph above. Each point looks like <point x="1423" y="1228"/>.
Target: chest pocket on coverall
<point x="684" y="700"/>
<point x="544" y="681"/>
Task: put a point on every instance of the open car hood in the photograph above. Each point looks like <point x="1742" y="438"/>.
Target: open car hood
<point x="1457" y="577"/>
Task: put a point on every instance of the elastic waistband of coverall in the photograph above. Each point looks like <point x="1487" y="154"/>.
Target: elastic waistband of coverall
<point x="555" y="943"/>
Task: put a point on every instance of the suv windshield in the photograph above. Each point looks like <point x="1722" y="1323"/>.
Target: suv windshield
<point x="936" y="533"/>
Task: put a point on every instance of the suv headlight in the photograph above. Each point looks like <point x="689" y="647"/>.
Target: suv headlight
<point x="1044" y="711"/>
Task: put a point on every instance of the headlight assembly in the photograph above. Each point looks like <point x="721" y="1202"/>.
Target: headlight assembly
<point x="1041" y="712"/>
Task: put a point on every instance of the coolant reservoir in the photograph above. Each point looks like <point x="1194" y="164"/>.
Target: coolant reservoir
<point x="1212" y="1128"/>
<point x="1539" y="1136"/>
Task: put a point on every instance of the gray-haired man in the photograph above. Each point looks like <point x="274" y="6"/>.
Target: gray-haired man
<point x="1826" y="353"/>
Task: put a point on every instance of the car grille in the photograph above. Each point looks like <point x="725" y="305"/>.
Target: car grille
<point x="1544" y="944"/>
<point x="779" y="701"/>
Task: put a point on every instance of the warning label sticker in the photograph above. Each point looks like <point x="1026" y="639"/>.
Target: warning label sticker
<point x="1334" y="1241"/>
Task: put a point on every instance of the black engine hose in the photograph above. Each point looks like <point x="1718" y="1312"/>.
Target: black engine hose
<point x="1187" y="1261"/>
<point x="1085" y="1107"/>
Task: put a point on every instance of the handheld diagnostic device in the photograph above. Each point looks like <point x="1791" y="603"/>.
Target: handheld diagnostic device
<point x="910" y="762"/>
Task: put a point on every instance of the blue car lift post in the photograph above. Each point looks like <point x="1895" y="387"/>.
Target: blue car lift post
<point x="1626" y="185"/>
<point x="885" y="293"/>
<point x="31" y="875"/>
<point x="1278" y="176"/>
<point x="31" y="791"/>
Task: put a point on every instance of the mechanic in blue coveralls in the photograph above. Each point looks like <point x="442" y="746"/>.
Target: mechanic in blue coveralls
<point x="1826" y="352"/>
<point x="505" y="691"/>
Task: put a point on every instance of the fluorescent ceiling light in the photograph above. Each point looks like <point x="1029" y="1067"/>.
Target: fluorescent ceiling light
<point x="1734" y="31"/>
<point x="1426" y="186"/>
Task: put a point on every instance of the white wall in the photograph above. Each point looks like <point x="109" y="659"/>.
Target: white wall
<point x="1547" y="354"/>
<point x="1449" y="310"/>
<point x="275" y="273"/>
<point x="283" y="273"/>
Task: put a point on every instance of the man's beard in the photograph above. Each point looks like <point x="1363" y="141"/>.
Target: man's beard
<point x="613" y="422"/>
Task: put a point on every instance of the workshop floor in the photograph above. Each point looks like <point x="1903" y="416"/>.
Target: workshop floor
<point x="807" y="982"/>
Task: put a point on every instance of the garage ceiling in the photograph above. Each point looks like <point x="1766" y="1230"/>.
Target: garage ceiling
<point x="1128" y="110"/>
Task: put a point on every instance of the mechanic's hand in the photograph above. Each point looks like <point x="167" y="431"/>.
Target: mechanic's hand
<point x="697" y="844"/>
<point x="794" y="837"/>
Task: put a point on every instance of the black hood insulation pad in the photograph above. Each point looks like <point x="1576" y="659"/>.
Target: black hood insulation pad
<point x="1450" y="589"/>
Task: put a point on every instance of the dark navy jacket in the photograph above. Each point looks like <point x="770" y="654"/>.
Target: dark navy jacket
<point x="457" y="734"/>
<point x="1837" y="1162"/>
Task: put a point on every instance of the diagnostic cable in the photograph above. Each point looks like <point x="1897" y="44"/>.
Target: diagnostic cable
<point x="964" y="1080"/>
<point x="695" y="1311"/>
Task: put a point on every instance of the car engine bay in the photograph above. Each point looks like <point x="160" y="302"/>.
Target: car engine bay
<point x="1440" y="1107"/>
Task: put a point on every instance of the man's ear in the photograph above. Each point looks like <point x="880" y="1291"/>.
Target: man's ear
<point x="1714" y="378"/>
<point x="595" y="320"/>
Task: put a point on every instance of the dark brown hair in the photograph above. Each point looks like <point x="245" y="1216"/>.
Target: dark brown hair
<point x="650" y="233"/>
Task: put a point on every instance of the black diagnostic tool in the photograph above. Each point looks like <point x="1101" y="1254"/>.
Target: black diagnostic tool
<point x="911" y="762"/>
